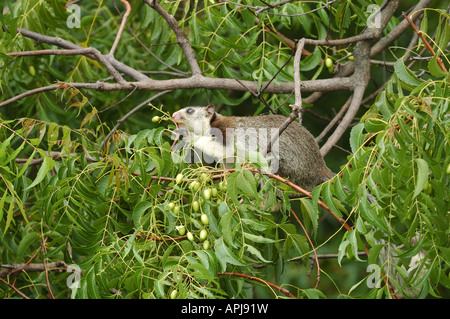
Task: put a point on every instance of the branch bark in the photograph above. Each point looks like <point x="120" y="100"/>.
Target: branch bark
<point x="10" y="269"/>
<point x="182" y="41"/>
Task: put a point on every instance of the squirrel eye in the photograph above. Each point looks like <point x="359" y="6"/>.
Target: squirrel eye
<point x="190" y="111"/>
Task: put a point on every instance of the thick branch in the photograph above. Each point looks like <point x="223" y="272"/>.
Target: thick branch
<point x="122" y="25"/>
<point x="360" y="78"/>
<point x="297" y="107"/>
<point x="199" y="82"/>
<point x="88" y="52"/>
<point x="10" y="269"/>
<point x="119" y="66"/>
<point x="183" y="42"/>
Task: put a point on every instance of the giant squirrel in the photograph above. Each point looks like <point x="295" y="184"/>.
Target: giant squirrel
<point x="299" y="158"/>
<point x="296" y="152"/>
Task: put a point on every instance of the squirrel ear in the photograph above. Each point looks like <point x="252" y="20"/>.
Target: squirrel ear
<point x="210" y="110"/>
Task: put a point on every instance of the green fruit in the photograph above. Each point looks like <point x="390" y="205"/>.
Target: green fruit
<point x="156" y="119"/>
<point x="195" y="206"/>
<point x="174" y="294"/>
<point x="176" y="210"/>
<point x="189" y="236"/>
<point x="224" y="185"/>
<point x="206" y="244"/>
<point x="171" y="205"/>
<point x="203" y="234"/>
<point x="448" y="169"/>
<point x="204" y="219"/>
<point x="207" y="194"/>
<point x="179" y="178"/>
<point x="214" y="192"/>
<point x="181" y="230"/>
<point x="195" y="185"/>
<point x="351" y="58"/>
<point x="32" y="70"/>
<point x="328" y="63"/>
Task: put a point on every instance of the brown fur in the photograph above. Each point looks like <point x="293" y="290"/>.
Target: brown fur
<point x="299" y="156"/>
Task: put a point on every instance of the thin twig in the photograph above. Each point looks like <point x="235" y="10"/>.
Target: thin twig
<point x="182" y="40"/>
<point x="425" y="42"/>
<point x="122" y="25"/>
<point x="126" y="116"/>
<point x="312" y="246"/>
<point x="280" y="289"/>
<point x="296" y="107"/>
<point x="15" y="289"/>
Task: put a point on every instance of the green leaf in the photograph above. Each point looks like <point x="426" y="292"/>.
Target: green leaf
<point x="46" y="166"/>
<point x="232" y="188"/>
<point x="252" y="250"/>
<point x="259" y="239"/>
<point x="9" y="214"/>
<point x="311" y="61"/>
<point x="356" y="137"/>
<point x="246" y="182"/>
<point x="435" y="69"/>
<point x="226" y="228"/>
<point x="225" y="255"/>
<point x="309" y="211"/>
<point x="92" y="288"/>
<point x="26" y="241"/>
<point x="406" y="76"/>
<point x="138" y="211"/>
<point x="422" y="176"/>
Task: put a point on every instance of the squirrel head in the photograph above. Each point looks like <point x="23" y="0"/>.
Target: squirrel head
<point x="196" y="119"/>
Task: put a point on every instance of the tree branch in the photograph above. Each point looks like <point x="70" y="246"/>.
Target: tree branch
<point x="10" y="269"/>
<point x="297" y="109"/>
<point x="199" y="82"/>
<point x="119" y="66"/>
<point x="88" y="52"/>
<point x="122" y="25"/>
<point x="280" y="289"/>
<point x="134" y="110"/>
<point x="182" y="41"/>
<point x="425" y="42"/>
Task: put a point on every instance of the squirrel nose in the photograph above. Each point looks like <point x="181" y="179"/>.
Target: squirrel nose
<point x="177" y="117"/>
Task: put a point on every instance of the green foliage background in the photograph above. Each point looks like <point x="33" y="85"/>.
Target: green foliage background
<point x="109" y="212"/>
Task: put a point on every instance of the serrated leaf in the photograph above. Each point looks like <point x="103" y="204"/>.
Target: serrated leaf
<point x="252" y="250"/>
<point x="309" y="211"/>
<point x="422" y="176"/>
<point x="92" y="288"/>
<point x="138" y="211"/>
<point x="406" y="76"/>
<point x="435" y="69"/>
<point x="25" y="243"/>
<point x="46" y="166"/>
<point x="259" y="239"/>
<point x="246" y="182"/>
<point x="225" y="255"/>
<point x="226" y="228"/>
<point x="356" y="137"/>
